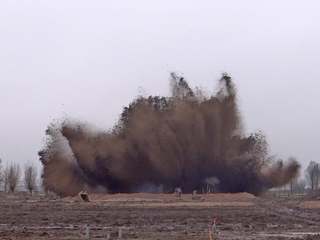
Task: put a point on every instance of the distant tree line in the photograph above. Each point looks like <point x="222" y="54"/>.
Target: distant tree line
<point x="11" y="174"/>
<point x="312" y="175"/>
<point x="309" y="181"/>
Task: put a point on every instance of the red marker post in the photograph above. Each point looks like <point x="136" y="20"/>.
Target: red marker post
<point x="214" y="222"/>
<point x="213" y="227"/>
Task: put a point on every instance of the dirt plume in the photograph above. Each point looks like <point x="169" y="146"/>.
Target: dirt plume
<point x="160" y="143"/>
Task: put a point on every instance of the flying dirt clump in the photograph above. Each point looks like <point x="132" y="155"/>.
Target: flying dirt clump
<point x="160" y="143"/>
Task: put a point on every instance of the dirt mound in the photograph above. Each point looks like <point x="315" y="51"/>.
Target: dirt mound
<point x="15" y="195"/>
<point x="230" y="196"/>
<point x="313" y="195"/>
<point x="149" y="196"/>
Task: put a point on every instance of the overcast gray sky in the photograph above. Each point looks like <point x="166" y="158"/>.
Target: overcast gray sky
<point x="87" y="59"/>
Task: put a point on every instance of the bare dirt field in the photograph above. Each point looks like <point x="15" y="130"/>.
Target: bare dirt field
<point x="150" y="216"/>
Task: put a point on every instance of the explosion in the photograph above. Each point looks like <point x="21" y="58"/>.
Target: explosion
<point x="187" y="139"/>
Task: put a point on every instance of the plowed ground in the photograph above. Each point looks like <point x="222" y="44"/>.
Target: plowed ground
<point x="161" y="218"/>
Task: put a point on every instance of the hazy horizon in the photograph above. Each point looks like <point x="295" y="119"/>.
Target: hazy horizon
<point x="89" y="60"/>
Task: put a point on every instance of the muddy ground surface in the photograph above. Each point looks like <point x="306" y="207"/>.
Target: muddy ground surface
<point x="138" y="218"/>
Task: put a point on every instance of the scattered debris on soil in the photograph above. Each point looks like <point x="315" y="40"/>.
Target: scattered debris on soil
<point x="236" y="216"/>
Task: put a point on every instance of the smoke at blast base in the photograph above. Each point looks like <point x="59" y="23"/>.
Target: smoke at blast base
<point x="189" y="139"/>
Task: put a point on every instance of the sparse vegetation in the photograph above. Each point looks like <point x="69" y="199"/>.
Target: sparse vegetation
<point x="1" y="175"/>
<point x="11" y="176"/>
<point x="30" y="177"/>
<point x="312" y="175"/>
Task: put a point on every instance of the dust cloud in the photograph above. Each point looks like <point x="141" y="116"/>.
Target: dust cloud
<point x="187" y="139"/>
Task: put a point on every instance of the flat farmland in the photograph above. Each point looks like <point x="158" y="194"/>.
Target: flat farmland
<point x="159" y="217"/>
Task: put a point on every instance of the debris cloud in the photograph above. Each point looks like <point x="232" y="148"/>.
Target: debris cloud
<point x="160" y="143"/>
